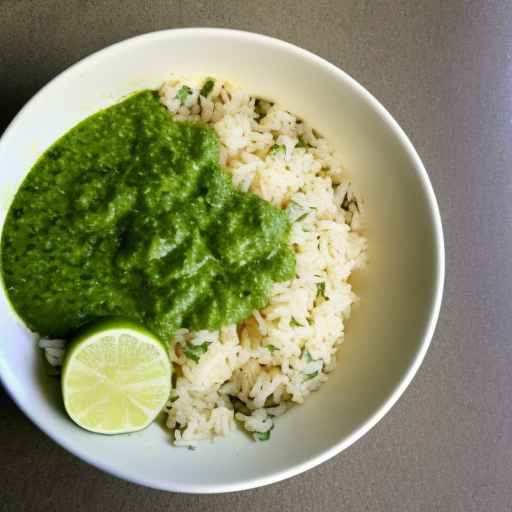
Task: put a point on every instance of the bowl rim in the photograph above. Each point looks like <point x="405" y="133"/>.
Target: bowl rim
<point x="406" y="379"/>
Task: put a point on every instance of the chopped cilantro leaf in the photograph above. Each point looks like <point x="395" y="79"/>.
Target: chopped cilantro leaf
<point x="302" y="217"/>
<point x="183" y="93"/>
<point x="294" y="323"/>
<point x="207" y="87"/>
<point x="194" y="352"/>
<point x="302" y="143"/>
<point x="262" y="436"/>
<point x="277" y="149"/>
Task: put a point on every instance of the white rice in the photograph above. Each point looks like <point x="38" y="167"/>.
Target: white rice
<point x="54" y="350"/>
<point x="253" y="372"/>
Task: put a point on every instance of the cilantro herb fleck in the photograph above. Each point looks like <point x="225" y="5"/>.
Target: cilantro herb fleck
<point x="302" y="143"/>
<point x="302" y="217"/>
<point x="239" y="406"/>
<point x="262" y="436"/>
<point x="320" y="289"/>
<point x="294" y="323"/>
<point x="207" y="87"/>
<point x="183" y="93"/>
<point x="194" y="352"/>
<point x="277" y="149"/>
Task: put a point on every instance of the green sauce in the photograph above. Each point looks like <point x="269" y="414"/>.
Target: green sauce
<point x="129" y="214"/>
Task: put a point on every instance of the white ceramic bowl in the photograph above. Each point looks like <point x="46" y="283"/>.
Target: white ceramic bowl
<point x="401" y="290"/>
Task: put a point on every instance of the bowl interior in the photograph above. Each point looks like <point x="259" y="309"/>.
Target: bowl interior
<point x="400" y="290"/>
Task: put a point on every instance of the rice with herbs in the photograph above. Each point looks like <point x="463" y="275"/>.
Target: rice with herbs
<point x="253" y="372"/>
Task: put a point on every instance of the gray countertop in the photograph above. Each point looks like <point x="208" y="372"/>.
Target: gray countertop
<point x="444" y="71"/>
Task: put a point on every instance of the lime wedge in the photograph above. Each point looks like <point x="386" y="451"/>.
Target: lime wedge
<point x="116" y="378"/>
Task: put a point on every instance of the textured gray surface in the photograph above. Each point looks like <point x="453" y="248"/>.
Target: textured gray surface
<point x="444" y="70"/>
